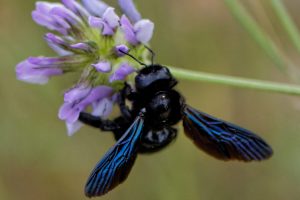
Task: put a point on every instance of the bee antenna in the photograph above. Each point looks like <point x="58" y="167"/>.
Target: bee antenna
<point x="134" y="58"/>
<point x="152" y="54"/>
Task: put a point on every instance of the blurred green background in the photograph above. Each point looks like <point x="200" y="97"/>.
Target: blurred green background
<point x="39" y="161"/>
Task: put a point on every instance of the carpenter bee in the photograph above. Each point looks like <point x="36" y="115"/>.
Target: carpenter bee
<point x="147" y="127"/>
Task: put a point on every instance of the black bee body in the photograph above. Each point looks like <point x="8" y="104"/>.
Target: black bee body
<point x="163" y="106"/>
<point x="147" y="127"/>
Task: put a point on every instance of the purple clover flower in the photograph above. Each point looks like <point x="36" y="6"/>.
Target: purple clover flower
<point x="78" y="98"/>
<point x="55" y="17"/>
<point x="73" y="127"/>
<point x="95" y="7"/>
<point x="90" y="38"/>
<point x="102" y="66"/>
<point x="130" y="10"/>
<point x="140" y="32"/>
<point x="76" y="8"/>
<point x="103" y="107"/>
<point x="121" y="49"/>
<point x="108" y="23"/>
<point x="58" y="44"/>
<point x="32" y="73"/>
<point x="122" y="72"/>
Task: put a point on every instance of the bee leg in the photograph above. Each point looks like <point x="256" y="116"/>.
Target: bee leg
<point x="97" y="122"/>
<point x="124" y="124"/>
<point x="126" y="93"/>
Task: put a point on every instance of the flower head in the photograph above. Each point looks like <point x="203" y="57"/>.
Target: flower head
<point x="89" y="37"/>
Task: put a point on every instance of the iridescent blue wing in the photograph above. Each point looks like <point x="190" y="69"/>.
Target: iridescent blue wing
<point x="223" y="140"/>
<point x="115" y="166"/>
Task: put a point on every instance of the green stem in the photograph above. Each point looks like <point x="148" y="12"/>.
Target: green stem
<point x="255" y="31"/>
<point x="267" y="86"/>
<point x="287" y="22"/>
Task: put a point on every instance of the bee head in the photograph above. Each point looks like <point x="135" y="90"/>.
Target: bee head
<point x="154" y="78"/>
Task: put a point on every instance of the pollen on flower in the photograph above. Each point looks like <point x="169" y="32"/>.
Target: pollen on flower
<point x="88" y="37"/>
